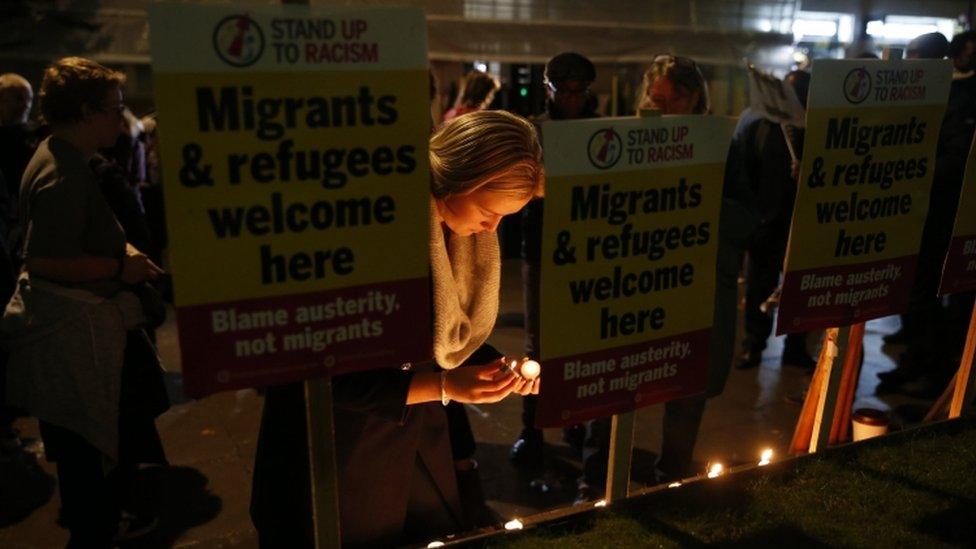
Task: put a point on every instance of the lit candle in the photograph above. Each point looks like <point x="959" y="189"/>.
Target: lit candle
<point x="435" y="544"/>
<point x="766" y="457"/>
<point x="601" y="503"/>
<point x="674" y="485"/>
<point x="514" y="524"/>
<point x="530" y="369"/>
<point x="715" y="470"/>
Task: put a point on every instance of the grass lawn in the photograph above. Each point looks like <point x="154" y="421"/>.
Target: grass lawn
<point x="912" y="489"/>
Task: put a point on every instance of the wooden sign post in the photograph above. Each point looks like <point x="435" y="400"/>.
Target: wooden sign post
<point x="294" y="140"/>
<point x="629" y="239"/>
<point x="959" y="275"/>
<point x="862" y="198"/>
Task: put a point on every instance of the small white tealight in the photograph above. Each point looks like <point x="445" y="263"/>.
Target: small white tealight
<point x="435" y="543"/>
<point x="601" y="503"/>
<point x="514" y="524"/>
<point x="716" y="470"/>
<point x="530" y="369"/>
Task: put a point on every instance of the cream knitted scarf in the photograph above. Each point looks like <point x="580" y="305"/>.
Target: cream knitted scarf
<point x="467" y="277"/>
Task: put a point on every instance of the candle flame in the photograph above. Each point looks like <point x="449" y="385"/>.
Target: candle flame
<point x="766" y="457"/>
<point x="715" y="470"/>
<point x="674" y="485"/>
<point x="601" y="503"/>
<point x="514" y="524"/>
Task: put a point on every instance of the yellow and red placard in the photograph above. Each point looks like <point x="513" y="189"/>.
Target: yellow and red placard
<point x="630" y="238"/>
<point x="862" y="196"/>
<point x="959" y="274"/>
<point x="294" y="150"/>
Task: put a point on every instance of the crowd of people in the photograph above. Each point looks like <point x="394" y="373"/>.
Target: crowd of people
<point x="82" y="241"/>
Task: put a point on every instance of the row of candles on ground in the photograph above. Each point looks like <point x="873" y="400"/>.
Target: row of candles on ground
<point x="714" y="470"/>
<point x="529" y="370"/>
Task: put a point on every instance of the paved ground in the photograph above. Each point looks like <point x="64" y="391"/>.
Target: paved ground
<point x="202" y="499"/>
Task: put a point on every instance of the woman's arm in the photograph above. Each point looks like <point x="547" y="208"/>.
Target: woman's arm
<point x="73" y="269"/>
<point x="135" y="267"/>
<point x="475" y="384"/>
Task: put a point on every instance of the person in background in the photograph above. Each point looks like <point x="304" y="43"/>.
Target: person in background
<point x="79" y="358"/>
<point x="18" y="139"/>
<point x="396" y="474"/>
<point x="675" y="85"/>
<point x="17" y="144"/>
<point x="479" y="91"/>
<point x="568" y="77"/>
<point x="760" y="155"/>
<point x="934" y="334"/>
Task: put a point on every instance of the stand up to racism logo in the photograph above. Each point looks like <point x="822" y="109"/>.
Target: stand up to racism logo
<point x="605" y="148"/>
<point x="238" y="40"/>
<point x="857" y="85"/>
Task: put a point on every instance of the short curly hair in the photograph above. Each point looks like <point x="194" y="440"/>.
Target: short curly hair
<point x="71" y="83"/>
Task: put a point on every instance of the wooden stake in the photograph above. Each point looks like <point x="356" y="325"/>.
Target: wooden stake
<point x="621" y="450"/>
<point x="836" y="342"/>
<point x="804" y="424"/>
<point x="848" y="387"/>
<point x="622" y="429"/>
<point x="964" y="377"/>
<point x="322" y="462"/>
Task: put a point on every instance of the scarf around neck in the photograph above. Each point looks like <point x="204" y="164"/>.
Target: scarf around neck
<point x="466" y="273"/>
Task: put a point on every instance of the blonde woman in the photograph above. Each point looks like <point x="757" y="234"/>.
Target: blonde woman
<point x="395" y="466"/>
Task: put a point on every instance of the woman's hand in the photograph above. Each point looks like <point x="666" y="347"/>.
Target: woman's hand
<point x="525" y="387"/>
<point x="480" y="384"/>
<point x="137" y="267"/>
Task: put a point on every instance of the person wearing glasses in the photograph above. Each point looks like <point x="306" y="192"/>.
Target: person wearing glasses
<point x="675" y="85"/>
<point x="80" y="360"/>
<point x="568" y="77"/>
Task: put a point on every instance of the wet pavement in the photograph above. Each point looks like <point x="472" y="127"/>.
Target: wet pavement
<point x="202" y="498"/>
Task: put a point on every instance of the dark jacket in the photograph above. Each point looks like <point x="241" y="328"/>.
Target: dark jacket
<point x="378" y="439"/>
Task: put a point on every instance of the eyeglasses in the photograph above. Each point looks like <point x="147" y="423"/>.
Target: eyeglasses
<point x="562" y="89"/>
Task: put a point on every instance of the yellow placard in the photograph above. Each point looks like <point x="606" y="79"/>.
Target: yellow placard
<point x="293" y="142"/>
<point x="863" y="190"/>
<point x="621" y="279"/>
<point x="286" y="185"/>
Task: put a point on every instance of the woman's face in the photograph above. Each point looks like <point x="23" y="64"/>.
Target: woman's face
<point x="665" y="96"/>
<point x="478" y="211"/>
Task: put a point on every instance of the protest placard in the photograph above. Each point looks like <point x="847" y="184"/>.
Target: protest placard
<point x="630" y="237"/>
<point x="294" y="147"/>
<point x="862" y="196"/>
<point x="959" y="274"/>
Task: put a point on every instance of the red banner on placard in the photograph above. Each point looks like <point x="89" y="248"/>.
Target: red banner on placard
<point x="960" y="266"/>
<point x="814" y="299"/>
<point x="623" y="379"/>
<point x="268" y="341"/>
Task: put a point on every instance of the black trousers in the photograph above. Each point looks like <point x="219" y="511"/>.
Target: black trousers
<point x="766" y="254"/>
<point x="91" y="500"/>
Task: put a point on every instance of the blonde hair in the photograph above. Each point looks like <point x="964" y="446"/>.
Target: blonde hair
<point x="492" y="150"/>
<point x="684" y="73"/>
